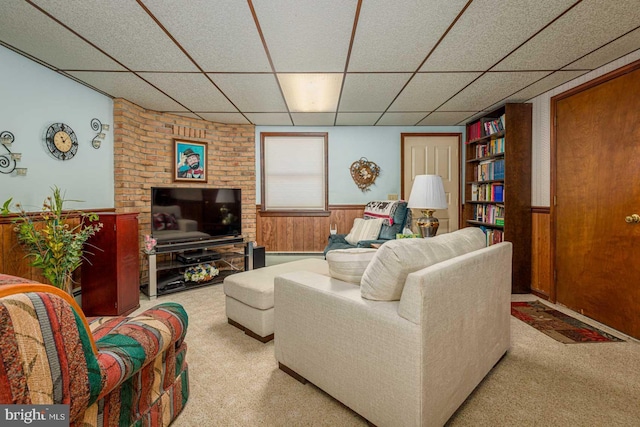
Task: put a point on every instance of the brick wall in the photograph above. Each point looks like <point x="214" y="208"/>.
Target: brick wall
<point x="143" y="157"/>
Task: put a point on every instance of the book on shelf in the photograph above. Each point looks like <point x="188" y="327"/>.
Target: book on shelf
<point x="496" y="146"/>
<point x="497" y="192"/>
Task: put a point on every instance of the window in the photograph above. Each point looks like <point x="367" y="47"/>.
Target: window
<point x="294" y="172"/>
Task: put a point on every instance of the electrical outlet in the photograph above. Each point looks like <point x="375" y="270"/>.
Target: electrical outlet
<point x="392" y="196"/>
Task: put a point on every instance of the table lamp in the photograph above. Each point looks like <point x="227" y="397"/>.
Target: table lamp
<point x="427" y="194"/>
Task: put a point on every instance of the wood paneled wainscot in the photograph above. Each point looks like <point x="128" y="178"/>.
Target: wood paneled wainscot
<point x="284" y="233"/>
<point x="541" y="274"/>
<point x="13" y="259"/>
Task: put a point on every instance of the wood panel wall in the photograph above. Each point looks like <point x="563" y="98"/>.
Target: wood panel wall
<point x="13" y="259"/>
<point x="541" y="274"/>
<point x="303" y="233"/>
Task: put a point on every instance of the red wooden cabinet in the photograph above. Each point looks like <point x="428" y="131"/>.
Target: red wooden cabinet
<point x="111" y="272"/>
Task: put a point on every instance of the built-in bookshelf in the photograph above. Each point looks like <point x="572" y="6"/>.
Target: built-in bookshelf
<point x="498" y="183"/>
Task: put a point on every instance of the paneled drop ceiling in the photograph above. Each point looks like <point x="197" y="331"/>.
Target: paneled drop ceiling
<point x="322" y="62"/>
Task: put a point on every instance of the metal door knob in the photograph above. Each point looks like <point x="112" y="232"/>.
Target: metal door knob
<point x="632" y="218"/>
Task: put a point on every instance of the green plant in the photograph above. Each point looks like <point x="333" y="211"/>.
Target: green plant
<point x="53" y="244"/>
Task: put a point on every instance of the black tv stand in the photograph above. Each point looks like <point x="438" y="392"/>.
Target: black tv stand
<point x="169" y="261"/>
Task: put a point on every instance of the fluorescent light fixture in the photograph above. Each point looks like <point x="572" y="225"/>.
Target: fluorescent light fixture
<point x="311" y="93"/>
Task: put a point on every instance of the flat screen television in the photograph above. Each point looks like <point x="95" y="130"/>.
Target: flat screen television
<point x="195" y="214"/>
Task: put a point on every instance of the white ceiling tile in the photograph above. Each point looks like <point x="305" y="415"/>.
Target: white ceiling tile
<point x="309" y="36"/>
<point x="427" y="91"/>
<point x="22" y="26"/>
<point x="220" y="37"/>
<point x="489" y="89"/>
<point x="129" y="87"/>
<point x="584" y="28"/>
<point x="370" y="92"/>
<point x="270" y="119"/>
<point x="194" y="91"/>
<point x="122" y="29"/>
<point x="397" y="35"/>
<point x="614" y="50"/>
<point x="251" y="92"/>
<point x="446" y="118"/>
<point x="308" y="93"/>
<point x="357" y="119"/>
<point x="488" y="31"/>
<point x="544" y="85"/>
<point x="401" y="119"/>
<point x="313" y="119"/>
<point x="234" y="118"/>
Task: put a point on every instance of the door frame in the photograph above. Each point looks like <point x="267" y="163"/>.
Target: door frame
<point x="460" y="155"/>
<point x="554" y="157"/>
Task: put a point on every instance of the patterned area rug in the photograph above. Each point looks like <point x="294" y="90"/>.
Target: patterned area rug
<point x="558" y="325"/>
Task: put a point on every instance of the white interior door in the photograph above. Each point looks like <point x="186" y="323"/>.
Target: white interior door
<point x="434" y="154"/>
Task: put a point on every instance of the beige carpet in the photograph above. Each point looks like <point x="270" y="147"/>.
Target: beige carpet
<point x="235" y="381"/>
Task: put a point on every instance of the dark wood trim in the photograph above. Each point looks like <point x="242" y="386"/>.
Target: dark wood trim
<point x="331" y="207"/>
<point x="8" y="219"/>
<point x="292" y="373"/>
<point x="540" y="209"/>
<point x="356" y="18"/>
<point x="554" y="153"/>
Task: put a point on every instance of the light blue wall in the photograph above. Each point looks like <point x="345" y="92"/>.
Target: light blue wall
<point x="347" y="144"/>
<point x="32" y="97"/>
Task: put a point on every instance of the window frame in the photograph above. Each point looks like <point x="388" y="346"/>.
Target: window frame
<point x="263" y="184"/>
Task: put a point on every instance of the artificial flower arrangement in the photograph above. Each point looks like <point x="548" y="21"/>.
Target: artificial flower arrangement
<point x="200" y="273"/>
<point x="149" y="244"/>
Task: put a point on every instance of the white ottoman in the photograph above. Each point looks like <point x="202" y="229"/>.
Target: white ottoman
<point x="249" y="295"/>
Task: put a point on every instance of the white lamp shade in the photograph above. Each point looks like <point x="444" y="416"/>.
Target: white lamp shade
<point x="225" y="196"/>
<point x="427" y="193"/>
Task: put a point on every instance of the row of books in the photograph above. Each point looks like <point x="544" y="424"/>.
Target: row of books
<point x="489" y="170"/>
<point x="493" y="236"/>
<point x="491" y="214"/>
<point x="484" y="127"/>
<point x="493" y="192"/>
<point x="494" y="126"/>
<point x="495" y="146"/>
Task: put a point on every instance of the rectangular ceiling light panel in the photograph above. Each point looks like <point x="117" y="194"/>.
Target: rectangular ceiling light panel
<point x="311" y="93"/>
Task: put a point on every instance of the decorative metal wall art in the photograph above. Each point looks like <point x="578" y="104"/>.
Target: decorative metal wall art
<point x="364" y="173"/>
<point x="8" y="160"/>
<point x="97" y="126"/>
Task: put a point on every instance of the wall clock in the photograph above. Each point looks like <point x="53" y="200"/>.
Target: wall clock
<point x="61" y="141"/>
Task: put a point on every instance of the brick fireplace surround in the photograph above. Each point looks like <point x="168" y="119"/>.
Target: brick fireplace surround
<point x="143" y="158"/>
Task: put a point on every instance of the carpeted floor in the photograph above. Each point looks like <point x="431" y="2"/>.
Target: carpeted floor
<point x="558" y="325"/>
<point x="235" y="381"/>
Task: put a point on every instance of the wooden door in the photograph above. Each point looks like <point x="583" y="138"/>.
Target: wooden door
<point x="434" y="154"/>
<point x="597" y="185"/>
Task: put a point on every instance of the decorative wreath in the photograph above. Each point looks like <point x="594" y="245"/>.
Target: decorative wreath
<point x="364" y="173"/>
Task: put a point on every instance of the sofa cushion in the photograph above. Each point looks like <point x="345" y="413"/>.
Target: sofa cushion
<point x="384" y="277"/>
<point x="349" y="264"/>
<point x="364" y="229"/>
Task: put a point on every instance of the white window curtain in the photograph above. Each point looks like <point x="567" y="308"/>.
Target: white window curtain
<point x="294" y="172"/>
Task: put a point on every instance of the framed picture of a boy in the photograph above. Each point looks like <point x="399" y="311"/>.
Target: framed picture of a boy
<point x="190" y="161"/>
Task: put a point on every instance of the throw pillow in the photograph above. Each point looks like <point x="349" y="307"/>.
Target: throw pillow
<point x="384" y="278"/>
<point x="158" y="221"/>
<point x="348" y="265"/>
<point x="171" y="223"/>
<point x="364" y="229"/>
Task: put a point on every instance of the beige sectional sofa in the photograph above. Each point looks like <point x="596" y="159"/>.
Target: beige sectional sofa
<point x="434" y="323"/>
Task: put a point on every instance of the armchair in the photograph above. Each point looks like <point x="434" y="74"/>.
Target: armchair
<point x="111" y="371"/>
<point x="401" y="217"/>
